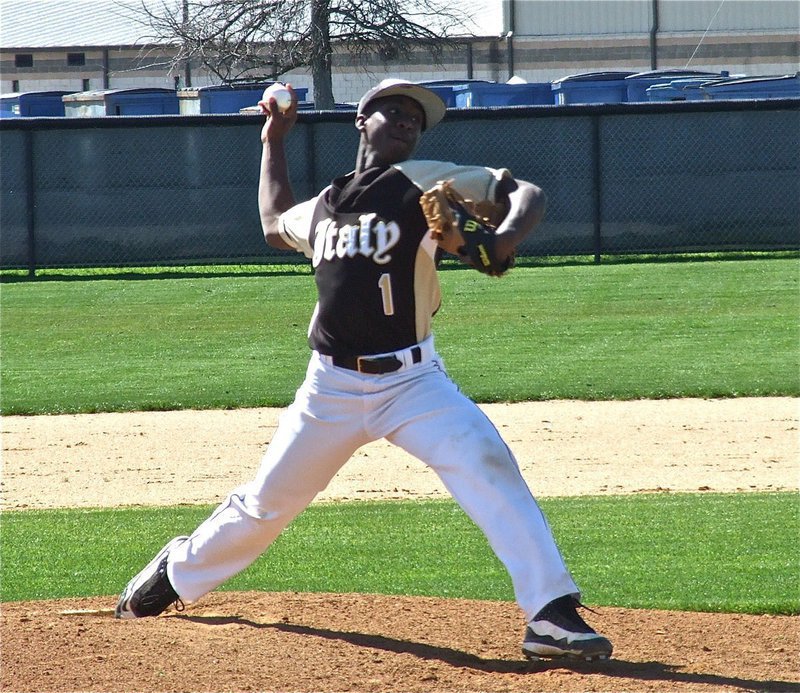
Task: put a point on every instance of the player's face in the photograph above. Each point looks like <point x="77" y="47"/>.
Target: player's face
<point x="393" y="128"/>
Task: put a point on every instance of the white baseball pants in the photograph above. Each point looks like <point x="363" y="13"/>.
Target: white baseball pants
<point x="335" y="412"/>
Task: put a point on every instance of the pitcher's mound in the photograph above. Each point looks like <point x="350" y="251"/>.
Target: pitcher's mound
<point x="331" y="642"/>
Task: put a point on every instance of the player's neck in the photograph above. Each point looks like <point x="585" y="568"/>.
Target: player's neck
<point x="371" y="158"/>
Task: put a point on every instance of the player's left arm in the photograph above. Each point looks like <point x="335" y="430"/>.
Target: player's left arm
<point x="526" y="204"/>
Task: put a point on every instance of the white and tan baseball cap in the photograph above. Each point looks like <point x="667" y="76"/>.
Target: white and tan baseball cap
<point x="429" y="100"/>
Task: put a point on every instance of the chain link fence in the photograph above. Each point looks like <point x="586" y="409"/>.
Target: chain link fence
<point x="621" y="179"/>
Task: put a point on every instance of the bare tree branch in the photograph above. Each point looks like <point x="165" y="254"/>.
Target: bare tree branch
<point x="254" y="39"/>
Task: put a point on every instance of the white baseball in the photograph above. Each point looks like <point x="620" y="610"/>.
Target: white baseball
<point x="281" y="94"/>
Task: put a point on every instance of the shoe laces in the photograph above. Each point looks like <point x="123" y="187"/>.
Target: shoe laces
<point x="580" y="605"/>
<point x="564" y="612"/>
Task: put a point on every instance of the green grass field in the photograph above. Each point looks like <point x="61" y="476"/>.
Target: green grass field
<point x="617" y="331"/>
<point x="88" y="342"/>
<point x="715" y="552"/>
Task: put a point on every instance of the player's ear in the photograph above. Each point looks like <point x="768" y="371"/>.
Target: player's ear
<point x="360" y="120"/>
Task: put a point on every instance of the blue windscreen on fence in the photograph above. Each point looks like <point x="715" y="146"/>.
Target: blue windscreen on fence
<point x="630" y="178"/>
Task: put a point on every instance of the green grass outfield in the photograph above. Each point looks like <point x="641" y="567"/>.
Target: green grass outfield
<point x="237" y="339"/>
<point x="211" y="338"/>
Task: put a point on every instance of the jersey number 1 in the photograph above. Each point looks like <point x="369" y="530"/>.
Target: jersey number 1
<point x="385" y="285"/>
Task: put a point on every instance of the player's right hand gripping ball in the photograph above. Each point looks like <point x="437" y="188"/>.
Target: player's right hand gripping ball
<point x="282" y="96"/>
<point x="458" y="227"/>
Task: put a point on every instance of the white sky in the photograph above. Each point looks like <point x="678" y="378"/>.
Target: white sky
<point x="54" y="23"/>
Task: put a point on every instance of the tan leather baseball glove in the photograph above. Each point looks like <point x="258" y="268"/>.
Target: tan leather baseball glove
<point x="464" y="228"/>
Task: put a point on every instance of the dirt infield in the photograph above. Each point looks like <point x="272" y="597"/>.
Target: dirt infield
<point x="564" y="449"/>
<point x="330" y="642"/>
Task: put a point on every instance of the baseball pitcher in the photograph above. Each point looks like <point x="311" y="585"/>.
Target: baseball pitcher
<point x="375" y="238"/>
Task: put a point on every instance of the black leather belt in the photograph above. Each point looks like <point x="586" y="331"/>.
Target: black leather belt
<point x="375" y="365"/>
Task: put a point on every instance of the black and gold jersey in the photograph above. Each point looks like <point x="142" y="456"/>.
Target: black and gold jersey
<point x="374" y="260"/>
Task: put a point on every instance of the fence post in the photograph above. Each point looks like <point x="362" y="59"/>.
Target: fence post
<point x="597" y="189"/>
<point x="311" y="153"/>
<point x="30" y="202"/>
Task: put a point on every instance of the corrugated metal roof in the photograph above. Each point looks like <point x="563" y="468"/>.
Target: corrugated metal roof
<point x="582" y="17"/>
<point x="731" y="15"/>
<point x="59" y="23"/>
<point x="599" y="17"/>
